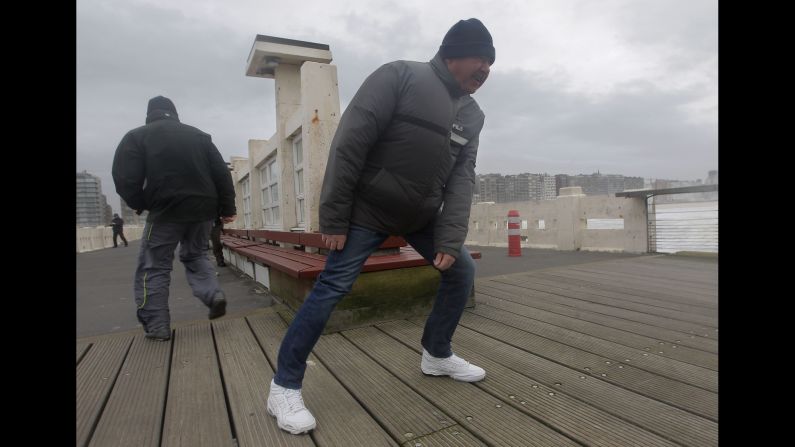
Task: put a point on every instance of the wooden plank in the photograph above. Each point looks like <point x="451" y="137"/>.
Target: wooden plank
<point x="291" y="254"/>
<point x="650" y="358"/>
<point x="247" y="376"/>
<point x="196" y="412"/>
<point x="584" y="301"/>
<point x="235" y="232"/>
<point x="489" y="296"/>
<point x="234" y="243"/>
<point x="628" y="339"/>
<point x="587" y="295"/>
<point x="672" y="392"/>
<point x="600" y="283"/>
<point x="403" y="413"/>
<point x="280" y="263"/>
<point x="705" y="281"/>
<point x="94" y="379"/>
<point x="555" y="405"/>
<point x="634" y="285"/>
<point x="455" y="436"/>
<point x="335" y="410"/>
<point x="552" y="286"/>
<point x="487" y="417"/>
<point x="134" y="414"/>
<point x="289" y="237"/>
<point x="667" y="421"/>
<point x="82" y="348"/>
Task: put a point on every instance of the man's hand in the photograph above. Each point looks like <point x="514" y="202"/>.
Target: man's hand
<point x="334" y="241"/>
<point x="443" y="261"/>
<point x="228" y="219"/>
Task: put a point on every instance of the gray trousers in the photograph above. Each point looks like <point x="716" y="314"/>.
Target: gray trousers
<point x="155" y="262"/>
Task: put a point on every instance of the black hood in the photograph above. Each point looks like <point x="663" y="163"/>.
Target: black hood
<point x="160" y="107"/>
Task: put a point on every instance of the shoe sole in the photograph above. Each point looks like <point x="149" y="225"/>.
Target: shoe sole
<point x="288" y="430"/>
<point x="158" y="338"/>
<point x="458" y="378"/>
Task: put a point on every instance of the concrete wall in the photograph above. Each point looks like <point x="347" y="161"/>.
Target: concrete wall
<point x="95" y="238"/>
<point x="565" y="223"/>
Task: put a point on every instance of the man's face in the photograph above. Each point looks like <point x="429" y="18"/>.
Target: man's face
<point x="470" y="72"/>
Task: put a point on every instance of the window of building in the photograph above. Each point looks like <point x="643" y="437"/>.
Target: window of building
<point x="298" y="165"/>
<point x="245" y="186"/>
<point x="541" y="224"/>
<point x="269" y="184"/>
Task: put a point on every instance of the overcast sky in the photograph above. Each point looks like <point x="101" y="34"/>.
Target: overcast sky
<point x="618" y="86"/>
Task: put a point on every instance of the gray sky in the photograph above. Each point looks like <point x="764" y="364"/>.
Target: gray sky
<point x="617" y="86"/>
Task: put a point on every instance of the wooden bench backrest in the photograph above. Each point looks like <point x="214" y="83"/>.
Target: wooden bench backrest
<point x="311" y="239"/>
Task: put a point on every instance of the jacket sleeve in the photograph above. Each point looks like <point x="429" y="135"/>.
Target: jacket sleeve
<point x="366" y="117"/>
<point x="129" y="172"/>
<point x="223" y="181"/>
<point x="452" y="224"/>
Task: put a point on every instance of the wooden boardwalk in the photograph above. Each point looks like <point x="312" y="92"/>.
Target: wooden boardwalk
<point x="612" y="353"/>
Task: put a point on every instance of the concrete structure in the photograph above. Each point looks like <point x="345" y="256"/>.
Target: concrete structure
<point x="96" y="238"/>
<point x="278" y="185"/>
<point x="514" y="188"/>
<point x="562" y="224"/>
<point x="89" y="203"/>
<point x="598" y="183"/>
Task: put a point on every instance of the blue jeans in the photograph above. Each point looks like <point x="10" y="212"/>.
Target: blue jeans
<point x="341" y="270"/>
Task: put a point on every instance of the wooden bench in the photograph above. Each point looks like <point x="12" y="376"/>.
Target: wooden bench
<point x="396" y="282"/>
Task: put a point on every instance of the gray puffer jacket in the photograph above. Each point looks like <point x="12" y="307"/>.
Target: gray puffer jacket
<point x="404" y="155"/>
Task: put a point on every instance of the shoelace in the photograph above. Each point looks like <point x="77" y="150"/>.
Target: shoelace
<point x="295" y="402"/>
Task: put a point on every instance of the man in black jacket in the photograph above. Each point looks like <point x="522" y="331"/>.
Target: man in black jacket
<point x="402" y="162"/>
<point x="176" y="173"/>
<point x="117" y="225"/>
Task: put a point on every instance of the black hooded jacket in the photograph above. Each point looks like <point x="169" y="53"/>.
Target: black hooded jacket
<point x="172" y="170"/>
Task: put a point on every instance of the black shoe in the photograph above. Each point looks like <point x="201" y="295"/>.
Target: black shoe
<point x="218" y="306"/>
<point x="161" y="334"/>
<point x="221" y="263"/>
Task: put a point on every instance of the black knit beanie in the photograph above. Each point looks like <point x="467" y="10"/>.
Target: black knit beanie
<point x="161" y="103"/>
<point x="467" y="38"/>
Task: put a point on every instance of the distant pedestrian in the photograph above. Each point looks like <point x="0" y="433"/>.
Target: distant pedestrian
<point x="118" y="229"/>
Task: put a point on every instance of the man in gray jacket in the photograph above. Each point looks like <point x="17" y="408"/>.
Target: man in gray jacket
<point x="402" y="162"/>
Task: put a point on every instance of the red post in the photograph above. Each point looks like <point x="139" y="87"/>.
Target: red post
<point x="514" y="239"/>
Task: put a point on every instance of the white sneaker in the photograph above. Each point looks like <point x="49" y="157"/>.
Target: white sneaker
<point x="453" y="366"/>
<point x="287" y="406"/>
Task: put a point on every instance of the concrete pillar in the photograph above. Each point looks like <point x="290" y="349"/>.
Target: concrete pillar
<point x="320" y="116"/>
<point x="307" y="113"/>
<point x="288" y="104"/>
<point x="570" y="224"/>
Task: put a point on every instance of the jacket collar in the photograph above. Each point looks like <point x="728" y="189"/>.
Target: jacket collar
<point x="440" y="68"/>
<point x="159" y="114"/>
